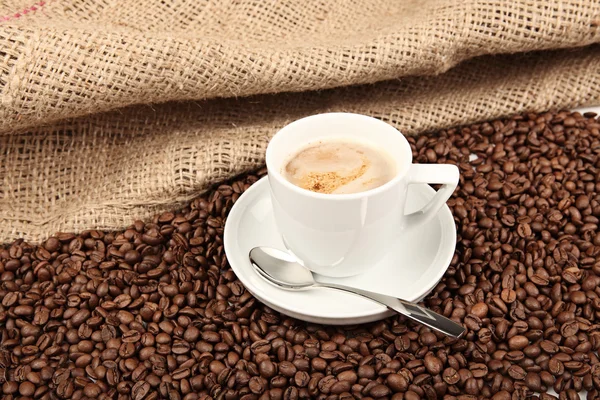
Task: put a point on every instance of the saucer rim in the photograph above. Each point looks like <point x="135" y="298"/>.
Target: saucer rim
<point x="376" y="313"/>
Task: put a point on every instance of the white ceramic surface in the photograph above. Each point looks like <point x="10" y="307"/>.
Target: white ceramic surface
<point x="341" y="235"/>
<point x="411" y="269"/>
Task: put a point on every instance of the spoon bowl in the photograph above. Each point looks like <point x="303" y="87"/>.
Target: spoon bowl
<point x="280" y="268"/>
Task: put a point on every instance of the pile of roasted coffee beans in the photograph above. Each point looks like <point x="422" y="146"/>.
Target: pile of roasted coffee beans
<point x="156" y="312"/>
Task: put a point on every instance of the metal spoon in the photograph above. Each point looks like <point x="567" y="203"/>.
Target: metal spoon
<point x="280" y="269"/>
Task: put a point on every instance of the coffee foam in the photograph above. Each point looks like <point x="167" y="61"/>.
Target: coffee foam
<point x="339" y="167"/>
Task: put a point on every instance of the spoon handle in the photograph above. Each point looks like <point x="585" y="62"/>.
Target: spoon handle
<point x="411" y="310"/>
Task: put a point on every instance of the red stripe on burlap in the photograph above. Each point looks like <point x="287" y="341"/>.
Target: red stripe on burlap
<point x="23" y="12"/>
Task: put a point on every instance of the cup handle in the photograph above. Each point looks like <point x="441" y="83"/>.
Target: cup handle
<point x="445" y="174"/>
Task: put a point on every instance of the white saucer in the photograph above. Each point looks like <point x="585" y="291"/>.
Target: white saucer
<point x="411" y="270"/>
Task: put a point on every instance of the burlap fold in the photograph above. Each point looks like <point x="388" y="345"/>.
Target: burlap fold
<point x="80" y="150"/>
<point x="105" y="170"/>
<point x="70" y="58"/>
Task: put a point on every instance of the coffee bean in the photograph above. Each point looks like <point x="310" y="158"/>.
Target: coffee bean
<point x="410" y="395"/>
<point x="471" y="387"/>
<point x="131" y="336"/>
<point x="10" y="299"/>
<point x="533" y="381"/>
<point x="397" y="382"/>
<point x="301" y="378"/>
<point x="379" y="391"/>
<point x="326" y="383"/>
<point x="473" y="322"/>
<point x="366" y="371"/>
<point x="348" y="376"/>
<point x="480" y="310"/>
<point x="502" y="395"/>
<point x="257" y="385"/>
<point x="23" y="311"/>
<point x="291" y="393"/>
<point x="64" y="389"/>
<point x="10" y="387"/>
<point x="287" y="369"/>
<point x="555" y="367"/>
<point x="140" y="390"/>
<point x="267" y="369"/>
<point x="479" y="370"/>
<point x="508" y="296"/>
<point x="260" y="346"/>
<point x="318" y="364"/>
<point x="26" y="389"/>
<point x="433" y="364"/>
<point x="549" y="346"/>
<point x="80" y="317"/>
<point x="122" y="300"/>
<point x="518" y="342"/>
<point x="450" y="376"/>
<point x="516" y="372"/>
<point x="92" y="390"/>
<point x="52" y="244"/>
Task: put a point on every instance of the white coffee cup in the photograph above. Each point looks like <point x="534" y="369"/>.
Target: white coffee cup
<point x="341" y="235"/>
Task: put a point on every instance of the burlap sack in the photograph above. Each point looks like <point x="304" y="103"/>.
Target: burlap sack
<point x="70" y="163"/>
<point x="63" y="59"/>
